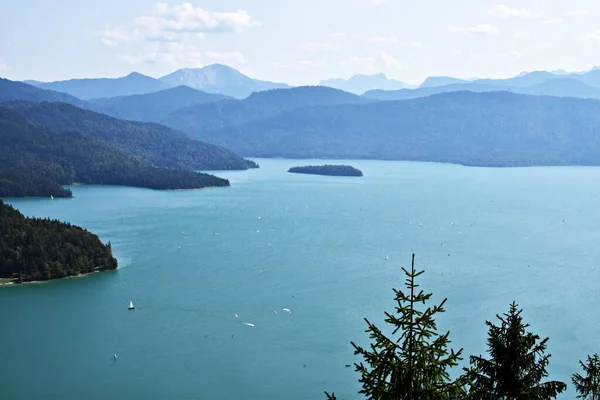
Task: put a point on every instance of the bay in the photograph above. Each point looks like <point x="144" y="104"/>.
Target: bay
<point x="192" y="260"/>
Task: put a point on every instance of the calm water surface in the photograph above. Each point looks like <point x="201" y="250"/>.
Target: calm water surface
<point x="190" y="260"/>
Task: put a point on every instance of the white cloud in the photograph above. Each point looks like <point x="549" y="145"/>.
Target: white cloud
<point x="519" y="34"/>
<point x="3" y="66"/>
<point x="300" y="65"/>
<point x="514" y="54"/>
<point x="384" y="39"/>
<point x="316" y="46"/>
<point x="177" y="23"/>
<point x="394" y="40"/>
<point x="577" y="12"/>
<point x="235" y="57"/>
<point x="414" y="44"/>
<point x="326" y="45"/>
<point x="479" y="30"/>
<point x="374" y="2"/>
<point x="183" y="55"/>
<point x="373" y="65"/>
<point x="365" y="65"/>
<point x="390" y="62"/>
<point x="338" y="36"/>
<point x="552" y="21"/>
<point x="505" y="11"/>
<point x="592" y="37"/>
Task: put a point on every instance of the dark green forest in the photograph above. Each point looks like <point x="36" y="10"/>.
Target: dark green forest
<point x="34" y="249"/>
<point x="63" y="158"/>
<point x="155" y="144"/>
<point x="331" y="170"/>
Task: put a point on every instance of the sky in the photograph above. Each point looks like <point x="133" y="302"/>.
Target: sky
<point x="297" y="41"/>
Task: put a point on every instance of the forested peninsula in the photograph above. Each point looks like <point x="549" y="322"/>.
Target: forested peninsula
<point x="34" y="249"/>
<point x="35" y="161"/>
<point x="331" y="170"/>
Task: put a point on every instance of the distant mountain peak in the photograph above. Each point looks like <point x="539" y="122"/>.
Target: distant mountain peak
<point x="220" y="79"/>
<point x="361" y="83"/>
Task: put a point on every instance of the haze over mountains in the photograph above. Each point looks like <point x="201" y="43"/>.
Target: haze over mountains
<point x="156" y="127"/>
<point x="360" y="83"/>
<point x="216" y="78"/>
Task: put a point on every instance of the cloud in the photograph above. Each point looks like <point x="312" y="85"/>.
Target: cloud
<point x="552" y="21"/>
<point x="177" y="23"/>
<point x="519" y="34"/>
<point x="316" y="46"/>
<point x="505" y="11"/>
<point x="478" y="30"/>
<point x="3" y="66"/>
<point x="300" y="65"/>
<point x="577" y="12"/>
<point x="332" y="43"/>
<point x="180" y="55"/>
<point x="414" y="44"/>
<point x="338" y="36"/>
<point x="374" y="3"/>
<point x="514" y="54"/>
<point x="384" y="39"/>
<point x="373" y="65"/>
<point x="592" y="37"/>
<point x="391" y="62"/>
<point x="394" y="40"/>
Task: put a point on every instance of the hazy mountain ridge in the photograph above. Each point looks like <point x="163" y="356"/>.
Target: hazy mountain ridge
<point x="212" y="116"/>
<point x="90" y="88"/>
<point x="484" y="129"/>
<point x="361" y="83"/>
<point x="154" y="106"/>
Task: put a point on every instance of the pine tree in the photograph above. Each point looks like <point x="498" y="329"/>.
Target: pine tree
<point x="588" y="387"/>
<point x="516" y="366"/>
<point x="413" y="365"/>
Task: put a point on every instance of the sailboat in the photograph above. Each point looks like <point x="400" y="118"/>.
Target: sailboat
<point x="131" y="307"/>
<point x="51" y="197"/>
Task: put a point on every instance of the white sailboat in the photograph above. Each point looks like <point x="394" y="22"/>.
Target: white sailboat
<point x="131" y="307"/>
<point x="51" y="197"/>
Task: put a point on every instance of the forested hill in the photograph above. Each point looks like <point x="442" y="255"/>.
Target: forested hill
<point x="33" y="249"/>
<point x="11" y="91"/>
<point x="152" y="107"/>
<point x="482" y="129"/>
<point x="63" y="158"/>
<point x="211" y="116"/>
<point x="153" y="143"/>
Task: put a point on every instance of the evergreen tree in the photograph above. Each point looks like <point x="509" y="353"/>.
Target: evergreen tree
<point x="414" y="364"/>
<point x="588" y="387"/>
<point x="516" y="366"/>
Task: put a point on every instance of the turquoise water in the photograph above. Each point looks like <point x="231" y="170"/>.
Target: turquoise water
<point x="190" y="260"/>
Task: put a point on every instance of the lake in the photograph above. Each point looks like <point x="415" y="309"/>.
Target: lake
<point x="191" y="260"/>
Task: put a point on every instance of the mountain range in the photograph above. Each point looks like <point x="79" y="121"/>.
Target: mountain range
<point x="360" y="83"/>
<point x="216" y="78"/>
<point x="478" y="129"/>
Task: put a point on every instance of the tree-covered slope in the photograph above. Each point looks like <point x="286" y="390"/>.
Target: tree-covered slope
<point x="68" y="157"/>
<point x="91" y="88"/>
<point x="212" y="116"/>
<point x="153" y="143"/>
<point x="151" y="107"/>
<point x="11" y="91"/>
<point x="488" y="129"/>
<point x="33" y="249"/>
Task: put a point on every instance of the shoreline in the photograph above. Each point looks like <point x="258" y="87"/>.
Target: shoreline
<point x="16" y="284"/>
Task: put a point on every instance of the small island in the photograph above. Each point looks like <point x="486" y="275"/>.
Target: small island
<point x="330" y="170"/>
<point x="35" y="249"/>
